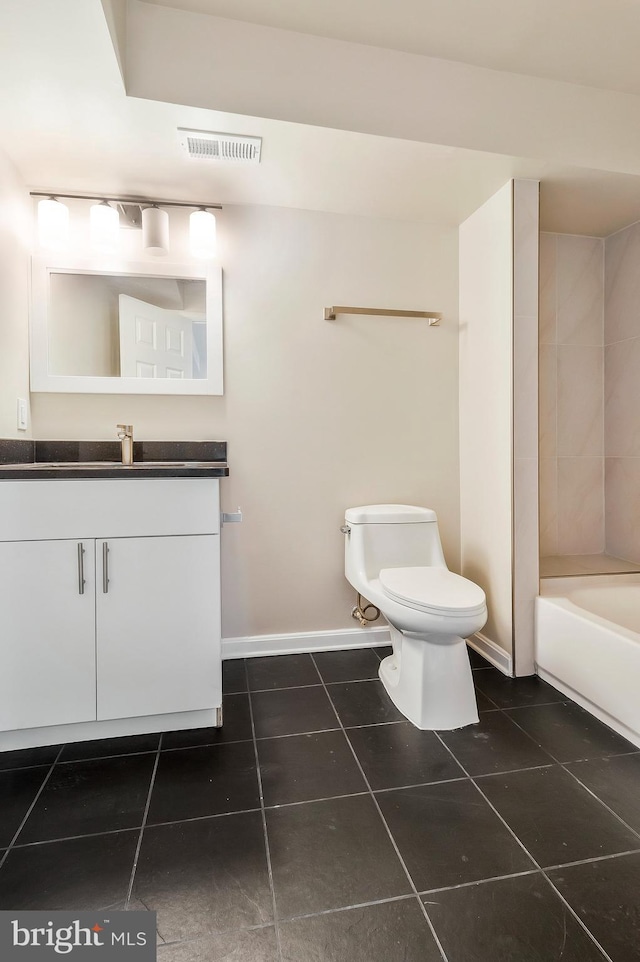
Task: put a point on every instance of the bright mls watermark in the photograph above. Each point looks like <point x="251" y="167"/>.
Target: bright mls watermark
<point x="78" y="936"/>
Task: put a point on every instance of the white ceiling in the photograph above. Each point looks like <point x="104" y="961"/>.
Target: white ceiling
<point x="590" y="42"/>
<point x="68" y="126"/>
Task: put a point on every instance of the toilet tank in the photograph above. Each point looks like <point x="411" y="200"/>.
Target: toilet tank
<point x="390" y="536"/>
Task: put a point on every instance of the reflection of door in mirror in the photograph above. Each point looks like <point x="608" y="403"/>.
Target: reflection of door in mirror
<point x="158" y="324"/>
<point x="154" y="341"/>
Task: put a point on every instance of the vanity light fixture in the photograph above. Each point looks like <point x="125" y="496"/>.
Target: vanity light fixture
<point x="202" y="233"/>
<point x="53" y="224"/>
<point x="155" y="230"/>
<point x="104" y="222"/>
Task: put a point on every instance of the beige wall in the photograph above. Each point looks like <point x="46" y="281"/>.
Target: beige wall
<point x="622" y="393"/>
<point x="526" y="232"/>
<point x="318" y="415"/>
<point x="499" y="416"/>
<point x="486" y="445"/>
<point x="14" y="266"/>
<point x="571" y="395"/>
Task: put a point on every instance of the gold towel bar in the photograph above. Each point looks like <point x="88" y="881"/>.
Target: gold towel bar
<point x="330" y="313"/>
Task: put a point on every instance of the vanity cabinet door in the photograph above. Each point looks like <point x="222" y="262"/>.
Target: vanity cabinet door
<point x="47" y="633"/>
<point x="158" y="625"/>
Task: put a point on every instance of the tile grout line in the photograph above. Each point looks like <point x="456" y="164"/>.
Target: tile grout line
<point x="589" y="861"/>
<point x="73" y="838"/>
<point x="276" y="923"/>
<point x="321" y="731"/>
<point x="528" y="854"/>
<point x="30" y="809"/>
<point x="293" y="918"/>
<point x="542" y="704"/>
<point x="384" y="822"/>
<point x="142" y="827"/>
<point x="480" y="881"/>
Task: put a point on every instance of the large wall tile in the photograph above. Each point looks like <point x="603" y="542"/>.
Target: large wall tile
<point x="548" y="401"/>
<point x="622" y="285"/>
<point x="622" y="398"/>
<point x="622" y="484"/>
<point x="548" y="506"/>
<point x="580" y="401"/>
<point x="580" y="289"/>
<point x="547" y="289"/>
<point x="580" y="506"/>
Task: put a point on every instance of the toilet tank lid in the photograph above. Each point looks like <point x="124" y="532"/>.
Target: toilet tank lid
<point x="388" y="514"/>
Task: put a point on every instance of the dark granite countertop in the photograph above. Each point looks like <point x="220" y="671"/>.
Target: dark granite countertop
<point x="23" y="460"/>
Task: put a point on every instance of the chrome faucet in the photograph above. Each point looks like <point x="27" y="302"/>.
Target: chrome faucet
<point x="125" y="433"/>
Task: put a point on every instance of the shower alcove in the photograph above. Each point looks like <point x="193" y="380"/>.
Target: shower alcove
<point x="589" y="403"/>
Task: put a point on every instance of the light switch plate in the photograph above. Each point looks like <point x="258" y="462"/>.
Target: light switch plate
<point x="23" y="417"/>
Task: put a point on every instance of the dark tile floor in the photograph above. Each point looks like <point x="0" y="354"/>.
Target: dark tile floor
<point x="320" y="826"/>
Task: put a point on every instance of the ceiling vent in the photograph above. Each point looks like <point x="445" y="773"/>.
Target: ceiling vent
<point x="224" y="148"/>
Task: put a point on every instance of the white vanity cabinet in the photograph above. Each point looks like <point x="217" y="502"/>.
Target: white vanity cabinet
<point x="47" y="629"/>
<point x="109" y="608"/>
<point x="157" y="602"/>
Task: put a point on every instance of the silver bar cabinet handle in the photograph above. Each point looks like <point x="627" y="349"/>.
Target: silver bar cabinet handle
<point x="81" y="581"/>
<point x="105" y="567"/>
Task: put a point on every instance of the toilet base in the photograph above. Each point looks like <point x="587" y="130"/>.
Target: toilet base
<point x="429" y="680"/>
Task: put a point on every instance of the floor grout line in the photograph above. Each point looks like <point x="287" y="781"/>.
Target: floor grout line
<point x="542" y="704"/>
<point x="480" y="881"/>
<point x="142" y="827"/>
<point x="295" y="918"/>
<point x="11" y="844"/>
<point x="24" y="768"/>
<point x="588" y="861"/>
<point x="530" y="856"/>
<point x="74" y="838"/>
<point x="264" y="827"/>
<point x="510" y="771"/>
<point x="347" y="908"/>
<point x="388" y="830"/>
<point x="220" y="744"/>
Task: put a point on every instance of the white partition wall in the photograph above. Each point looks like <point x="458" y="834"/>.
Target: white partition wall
<point x="498" y="417"/>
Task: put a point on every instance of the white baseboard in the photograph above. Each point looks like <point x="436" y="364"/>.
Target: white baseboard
<point x="304" y="641"/>
<point x="492" y="652"/>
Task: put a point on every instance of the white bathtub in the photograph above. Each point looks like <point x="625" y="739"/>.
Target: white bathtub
<point x="588" y="645"/>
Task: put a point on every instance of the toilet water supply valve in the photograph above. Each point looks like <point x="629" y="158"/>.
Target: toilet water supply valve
<point x="360" y="613"/>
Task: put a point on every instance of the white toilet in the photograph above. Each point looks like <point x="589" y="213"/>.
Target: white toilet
<point x="394" y="558"/>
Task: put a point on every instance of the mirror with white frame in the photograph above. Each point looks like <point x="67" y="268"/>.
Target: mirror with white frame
<point x="144" y="329"/>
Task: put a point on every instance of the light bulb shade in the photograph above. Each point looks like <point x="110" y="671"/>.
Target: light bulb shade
<point x="104" y="224"/>
<point x="202" y="233"/>
<point x="53" y="224"/>
<point x="155" y="231"/>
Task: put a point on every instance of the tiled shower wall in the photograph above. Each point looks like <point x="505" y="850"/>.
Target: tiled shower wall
<point x="622" y="393"/>
<point x="571" y="316"/>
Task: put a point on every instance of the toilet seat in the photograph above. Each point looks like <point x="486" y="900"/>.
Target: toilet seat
<point x="436" y="591"/>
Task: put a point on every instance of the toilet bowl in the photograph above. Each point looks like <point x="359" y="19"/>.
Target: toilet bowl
<point x="394" y="559"/>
